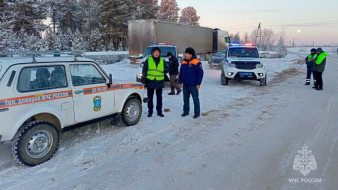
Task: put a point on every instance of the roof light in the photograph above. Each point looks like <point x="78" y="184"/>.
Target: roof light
<point x="235" y="44"/>
<point x="157" y="43"/>
<point x="249" y="44"/>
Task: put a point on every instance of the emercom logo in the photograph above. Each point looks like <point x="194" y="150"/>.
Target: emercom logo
<point x="305" y="161"/>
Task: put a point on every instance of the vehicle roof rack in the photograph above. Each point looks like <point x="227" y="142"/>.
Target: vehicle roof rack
<point x="35" y="54"/>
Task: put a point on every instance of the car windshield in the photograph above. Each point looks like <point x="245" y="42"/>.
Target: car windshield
<point x="220" y="54"/>
<point x="164" y="50"/>
<point x="243" y="52"/>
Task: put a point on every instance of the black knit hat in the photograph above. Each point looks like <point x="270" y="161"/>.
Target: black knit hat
<point x="169" y="54"/>
<point x="313" y="50"/>
<point x="320" y="50"/>
<point x="190" y="50"/>
<point x="156" y="49"/>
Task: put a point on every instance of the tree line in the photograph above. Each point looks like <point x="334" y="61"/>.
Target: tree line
<point x="90" y="25"/>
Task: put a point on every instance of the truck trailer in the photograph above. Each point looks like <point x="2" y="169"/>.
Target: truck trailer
<point x="205" y="41"/>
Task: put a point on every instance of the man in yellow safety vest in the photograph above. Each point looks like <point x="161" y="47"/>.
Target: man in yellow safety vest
<point x="153" y="78"/>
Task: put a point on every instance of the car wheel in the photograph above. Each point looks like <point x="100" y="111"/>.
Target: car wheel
<point x="132" y="111"/>
<point x="35" y="143"/>
<point x="263" y="81"/>
<point x="224" y="80"/>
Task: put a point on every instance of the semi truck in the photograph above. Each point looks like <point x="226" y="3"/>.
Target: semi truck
<point x="205" y="41"/>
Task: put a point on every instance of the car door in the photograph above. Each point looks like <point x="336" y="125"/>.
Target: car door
<point x="92" y="97"/>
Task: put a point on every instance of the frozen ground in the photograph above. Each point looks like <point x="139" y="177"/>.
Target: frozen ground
<point x="247" y="138"/>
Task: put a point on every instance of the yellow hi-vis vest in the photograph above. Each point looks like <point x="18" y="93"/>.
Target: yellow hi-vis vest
<point x="153" y="72"/>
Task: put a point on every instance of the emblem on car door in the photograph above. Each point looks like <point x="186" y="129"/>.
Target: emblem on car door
<point x="97" y="100"/>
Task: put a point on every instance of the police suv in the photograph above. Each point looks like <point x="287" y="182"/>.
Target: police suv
<point x="40" y="97"/>
<point x="243" y="63"/>
<point x="165" y="48"/>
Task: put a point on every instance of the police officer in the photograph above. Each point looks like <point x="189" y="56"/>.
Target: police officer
<point x="153" y="78"/>
<point x="191" y="76"/>
<point x="173" y="72"/>
<point x="309" y="60"/>
<point x="319" y="68"/>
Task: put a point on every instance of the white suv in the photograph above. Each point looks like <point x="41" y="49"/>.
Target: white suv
<point x="40" y="97"/>
<point x="243" y="63"/>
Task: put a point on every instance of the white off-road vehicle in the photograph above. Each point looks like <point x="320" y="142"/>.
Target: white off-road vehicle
<point x="40" y="97"/>
<point x="243" y="63"/>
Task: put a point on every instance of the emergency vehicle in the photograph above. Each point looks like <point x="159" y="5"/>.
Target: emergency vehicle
<point x="243" y="62"/>
<point x="40" y="97"/>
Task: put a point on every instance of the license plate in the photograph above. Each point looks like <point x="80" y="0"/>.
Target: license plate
<point x="245" y="74"/>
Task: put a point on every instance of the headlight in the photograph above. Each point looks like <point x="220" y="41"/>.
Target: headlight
<point x="231" y="65"/>
<point x="140" y="75"/>
<point x="259" y="65"/>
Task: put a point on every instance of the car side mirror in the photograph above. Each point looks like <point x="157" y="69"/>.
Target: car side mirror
<point x="110" y="80"/>
<point x="180" y="55"/>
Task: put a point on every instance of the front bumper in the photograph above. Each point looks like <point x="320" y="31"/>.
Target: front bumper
<point x="257" y="74"/>
<point x="214" y="64"/>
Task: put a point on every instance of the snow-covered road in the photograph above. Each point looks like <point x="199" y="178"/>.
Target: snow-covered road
<point x="247" y="138"/>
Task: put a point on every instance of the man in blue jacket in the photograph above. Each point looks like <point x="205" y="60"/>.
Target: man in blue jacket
<point x="191" y="76"/>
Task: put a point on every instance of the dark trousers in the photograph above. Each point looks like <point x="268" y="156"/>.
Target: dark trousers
<point x="150" y="93"/>
<point x="308" y="76"/>
<point x="173" y="83"/>
<point x="319" y="79"/>
<point x="187" y="90"/>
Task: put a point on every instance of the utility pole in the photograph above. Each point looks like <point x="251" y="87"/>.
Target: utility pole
<point x="259" y="36"/>
<point x="293" y="43"/>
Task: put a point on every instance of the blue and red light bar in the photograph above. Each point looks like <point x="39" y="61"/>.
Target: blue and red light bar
<point x="239" y="44"/>
<point x="157" y="44"/>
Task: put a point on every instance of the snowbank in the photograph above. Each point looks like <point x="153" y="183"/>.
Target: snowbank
<point x="107" y="57"/>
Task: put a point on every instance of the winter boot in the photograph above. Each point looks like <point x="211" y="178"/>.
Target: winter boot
<point x="184" y="114"/>
<point x="179" y="92"/>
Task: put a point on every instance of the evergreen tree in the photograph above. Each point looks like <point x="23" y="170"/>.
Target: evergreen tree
<point x="5" y="33"/>
<point x="112" y="14"/>
<point x="189" y="16"/>
<point x="78" y="42"/>
<point x="146" y="9"/>
<point x="28" y="16"/>
<point x="96" y="42"/>
<point x="168" y="11"/>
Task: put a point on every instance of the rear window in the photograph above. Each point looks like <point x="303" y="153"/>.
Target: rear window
<point x="42" y="78"/>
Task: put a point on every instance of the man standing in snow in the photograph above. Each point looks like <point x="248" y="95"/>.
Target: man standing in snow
<point x="191" y="76"/>
<point x="309" y="60"/>
<point x="153" y="78"/>
<point x="173" y="72"/>
<point x="319" y="68"/>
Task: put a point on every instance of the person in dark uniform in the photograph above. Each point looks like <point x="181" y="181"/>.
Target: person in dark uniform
<point x="173" y="72"/>
<point x="153" y="78"/>
<point x="319" y="68"/>
<point x="309" y="60"/>
<point x="191" y="76"/>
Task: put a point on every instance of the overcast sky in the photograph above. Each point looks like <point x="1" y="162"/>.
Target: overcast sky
<point x="306" y="21"/>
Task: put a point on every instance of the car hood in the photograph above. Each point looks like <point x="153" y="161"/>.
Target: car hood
<point x="217" y="59"/>
<point x="243" y="59"/>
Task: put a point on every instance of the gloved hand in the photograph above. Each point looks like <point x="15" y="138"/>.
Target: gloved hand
<point x="143" y="80"/>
